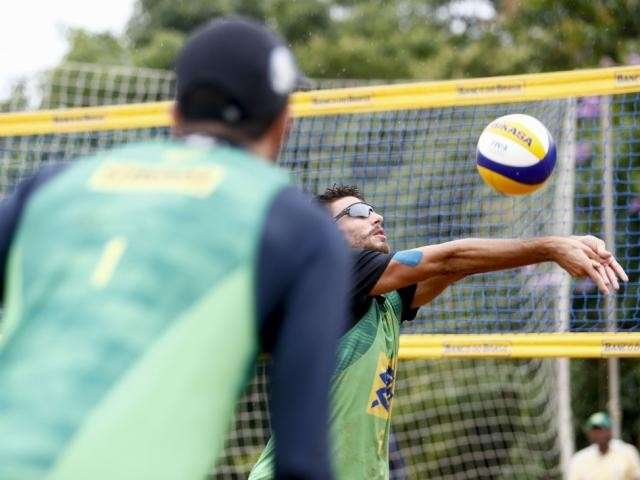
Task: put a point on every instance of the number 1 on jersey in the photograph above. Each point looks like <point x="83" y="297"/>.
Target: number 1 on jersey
<point x="111" y="255"/>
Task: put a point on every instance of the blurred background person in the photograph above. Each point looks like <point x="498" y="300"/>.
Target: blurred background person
<point x="606" y="458"/>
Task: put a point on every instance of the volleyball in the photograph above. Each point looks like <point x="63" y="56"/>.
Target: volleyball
<point x="515" y="154"/>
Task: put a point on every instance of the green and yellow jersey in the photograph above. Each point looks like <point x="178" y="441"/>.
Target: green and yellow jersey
<point x="135" y="300"/>
<point x="364" y="379"/>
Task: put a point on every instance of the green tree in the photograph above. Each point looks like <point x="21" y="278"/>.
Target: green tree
<point x="101" y="48"/>
<point x="332" y="39"/>
<point x="399" y="39"/>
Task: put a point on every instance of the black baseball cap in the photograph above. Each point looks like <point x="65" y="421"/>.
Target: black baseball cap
<point x="236" y="71"/>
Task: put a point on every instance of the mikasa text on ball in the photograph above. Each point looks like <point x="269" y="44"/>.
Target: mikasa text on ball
<point x="516" y="154"/>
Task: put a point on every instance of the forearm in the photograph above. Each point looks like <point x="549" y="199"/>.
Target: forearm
<point x="428" y="290"/>
<point x="439" y="265"/>
<point x="468" y="256"/>
<point x="579" y="256"/>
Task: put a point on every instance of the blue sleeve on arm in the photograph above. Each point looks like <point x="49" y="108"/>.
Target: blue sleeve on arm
<point x="303" y="277"/>
<point x="410" y="258"/>
<point x="11" y="209"/>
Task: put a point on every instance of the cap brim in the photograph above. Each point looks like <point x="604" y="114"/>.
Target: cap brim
<point x="592" y="425"/>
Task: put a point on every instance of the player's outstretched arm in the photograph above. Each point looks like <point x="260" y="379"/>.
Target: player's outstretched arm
<point x="435" y="267"/>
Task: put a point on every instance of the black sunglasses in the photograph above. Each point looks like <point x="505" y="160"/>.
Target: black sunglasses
<point x="355" y="210"/>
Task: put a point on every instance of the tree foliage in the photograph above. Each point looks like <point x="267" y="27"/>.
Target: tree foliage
<point x="399" y="39"/>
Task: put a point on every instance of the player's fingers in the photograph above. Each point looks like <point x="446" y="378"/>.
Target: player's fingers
<point x="589" y="251"/>
<point x="603" y="252"/>
<point x="600" y="247"/>
<point x="595" y="275"/>
<point x="595" y="248"/>
<point x="612" y="276"/>
<point x="603" y="272"/>
<point x="619" y="270"/>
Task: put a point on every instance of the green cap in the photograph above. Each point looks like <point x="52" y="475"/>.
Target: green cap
<point x="598" y="420"/>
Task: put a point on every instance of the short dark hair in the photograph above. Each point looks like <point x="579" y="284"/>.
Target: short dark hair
<point x="338" y="191"/>
<point x="207" y="103"/>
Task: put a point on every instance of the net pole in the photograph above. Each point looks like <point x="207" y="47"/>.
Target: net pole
<point x="608" y="219"/>
<point x="564" y="195"/>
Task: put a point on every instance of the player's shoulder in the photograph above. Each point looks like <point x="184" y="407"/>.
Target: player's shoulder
<point x="296" y="219"/>
<point x="133" y="149"/>
<point x="160" y="151"/>
<point x="43" y="176"/>
<point x="369" y="261"/>
<point x="368" y="266"/>
<point x="195" y="153"/>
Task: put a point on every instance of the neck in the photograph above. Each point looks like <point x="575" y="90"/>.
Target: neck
<point x="261" y="147"/>
<point x="603" y="447"/>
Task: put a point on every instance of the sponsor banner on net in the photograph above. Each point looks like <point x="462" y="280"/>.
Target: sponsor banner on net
<point x="57" y="119"/>
<point x="626" y="78"/>
<point x="503" y="87"/>
<point x="620" y="348"/>
<point x="352" y="98"/>
<point x="475" y="348"/>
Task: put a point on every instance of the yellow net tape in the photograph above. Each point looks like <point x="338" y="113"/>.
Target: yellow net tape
<point x="523" y="345"/>
<point x="478" y="91"/>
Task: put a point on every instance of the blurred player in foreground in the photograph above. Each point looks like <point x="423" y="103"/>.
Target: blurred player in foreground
<point x="388" y="288"/>
<point x="606" y="458"/>
<point x="140" y="284"/>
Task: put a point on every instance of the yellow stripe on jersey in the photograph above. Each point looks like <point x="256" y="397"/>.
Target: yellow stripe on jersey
<point x="111" y="255"/>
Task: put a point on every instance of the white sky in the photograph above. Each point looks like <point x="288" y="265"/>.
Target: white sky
<point x="32" y="31"/>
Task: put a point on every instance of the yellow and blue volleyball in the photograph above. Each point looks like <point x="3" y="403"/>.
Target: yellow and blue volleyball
<point x="516" y="154"/>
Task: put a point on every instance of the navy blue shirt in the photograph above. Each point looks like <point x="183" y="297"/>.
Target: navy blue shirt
<point x="301" y="300"/>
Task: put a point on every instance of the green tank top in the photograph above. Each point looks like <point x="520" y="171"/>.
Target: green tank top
<point x="130" y="309"/>
<point x="362" y="396"/>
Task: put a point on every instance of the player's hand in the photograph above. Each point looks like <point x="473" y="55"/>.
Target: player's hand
<point x="611" y="266"/>
<point x="587" y="256"/>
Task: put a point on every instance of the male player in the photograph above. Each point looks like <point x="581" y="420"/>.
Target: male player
<point x="141" y="283"/>
<point x="388" y="288"/>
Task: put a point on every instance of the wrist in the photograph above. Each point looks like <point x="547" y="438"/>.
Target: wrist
<point x="548" y="248"/>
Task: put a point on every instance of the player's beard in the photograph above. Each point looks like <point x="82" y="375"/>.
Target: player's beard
<point x="380" y="246"/>
<point x="369" y="241"/>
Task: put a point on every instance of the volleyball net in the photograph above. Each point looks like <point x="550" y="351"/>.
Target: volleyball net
<point x="490" y="406"/>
